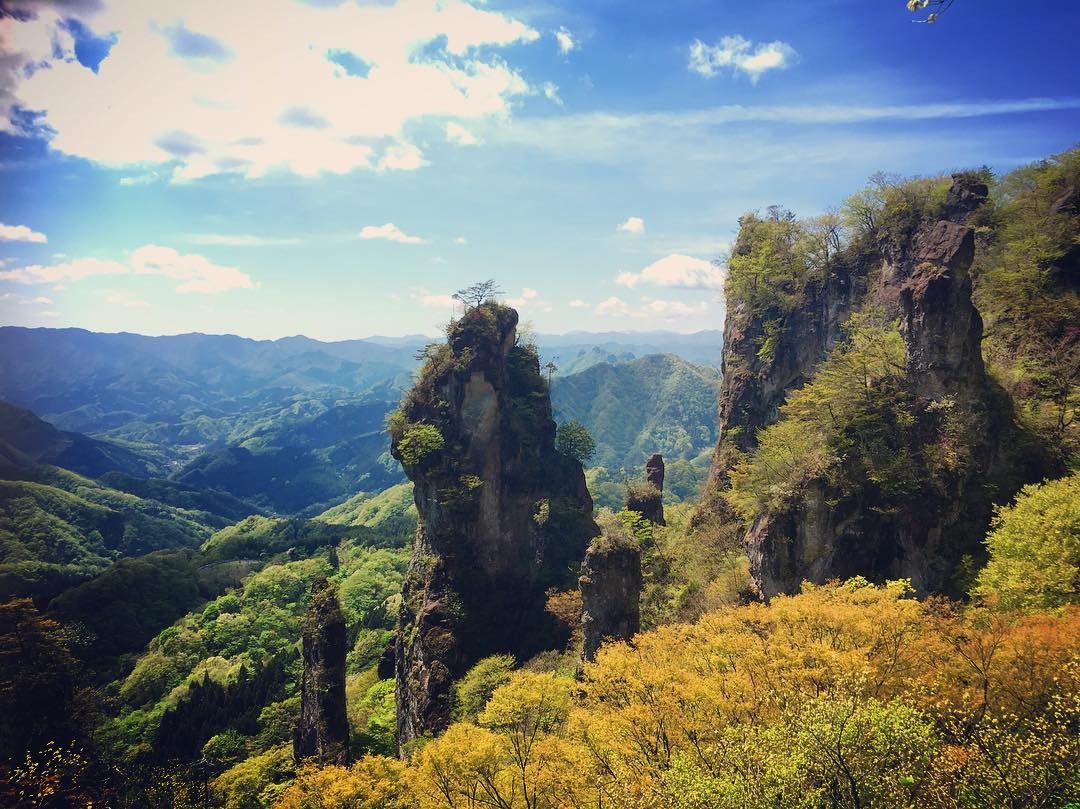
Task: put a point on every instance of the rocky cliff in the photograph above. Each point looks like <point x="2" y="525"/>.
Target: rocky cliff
<point x="502" y="516"/>
<point x="323" y="730"/>
<point x="648" y="499"/>
<point x="610" y="584"/>
<point x="953" y="428"/>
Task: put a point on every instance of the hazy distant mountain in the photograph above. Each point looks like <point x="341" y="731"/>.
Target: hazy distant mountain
<point x="41" y="442"/>
<point x="574" y="351"/>
<point x="659" y="403"/>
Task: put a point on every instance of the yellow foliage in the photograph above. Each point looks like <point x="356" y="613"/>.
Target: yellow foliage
<point x="373" y="782"/>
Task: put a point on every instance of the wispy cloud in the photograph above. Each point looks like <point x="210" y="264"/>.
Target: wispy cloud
<point x="566" y="41"/>
<point x="551" y="92"/>
<point x="456" y="133"/>
<point x="21" y="233"/>
<point x="125" y="299"/>
<point x="738" y="54"/>
<point x="196" y="273"/>
<point x="240" y="240"/>
<point x="389" y="232"/>
<point x="634" y="225"/>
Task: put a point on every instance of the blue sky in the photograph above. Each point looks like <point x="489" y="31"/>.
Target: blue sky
<point x="271" y="167"/>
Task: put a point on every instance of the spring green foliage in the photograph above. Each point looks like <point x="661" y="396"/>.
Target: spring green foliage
<point x="1034" y="549"/>
<point x="854" y="408"/>
<point x="1029" y="251"/>
<point x="418" y="441"/>
<point x="658" y="403"/>
<point x="573" y="440"/>
<point x="60" y="528"/>
<point x="472" y="692"/>
<point x="392" y="511"/>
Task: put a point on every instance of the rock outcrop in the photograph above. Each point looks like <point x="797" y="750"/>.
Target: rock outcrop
<point x="502" y="516"/>
<point x="648" y="500"/>
<point x="917" y="277"/>
<point x="610" y="584"/>
<point x="323" y="730"/>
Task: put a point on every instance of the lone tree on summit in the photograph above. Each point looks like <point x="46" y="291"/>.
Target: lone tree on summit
<point x="472" y="297"/>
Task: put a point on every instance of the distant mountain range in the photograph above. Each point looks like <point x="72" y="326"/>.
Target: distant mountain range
<point x="295" y="425"/>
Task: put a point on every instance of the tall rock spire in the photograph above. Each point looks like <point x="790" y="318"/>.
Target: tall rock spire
<point x="323" y="731"/>
<point x="502" y="516"/>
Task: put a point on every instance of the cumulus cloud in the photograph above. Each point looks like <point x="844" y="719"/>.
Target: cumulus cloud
<point x="390" y="232"/>
<point x="196" y="273"/>
<point x="673" y="309"/>
<point x="194" y="95"/>
<point x="676" y="271"/>
<point x="739" y="55"/>
<point x="566" y="40"/>
<point x="456" y="133"/>
<point x="615" y="307"/>
<point x="634" y="225"/>
<point x="21" y="233"/>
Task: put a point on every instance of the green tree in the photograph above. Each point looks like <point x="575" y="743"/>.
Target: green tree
<point x="573" y="439"/>
<point x="1035" y="549"/>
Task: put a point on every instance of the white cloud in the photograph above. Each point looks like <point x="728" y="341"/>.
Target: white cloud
<point x="616" y="307"/>
<point x="634" y="225"/>
<point x="69" y="271"/>
<point x="41" y="300"/>
<point x="390" y="232"/>
<point x="456" y="133"/>
<point x="528" y="293"/>
<point x="673" y="309"/>
<point x="461" y="240"/>
<point x="254" y="86"/>
<point x="19" y="299"/>
<point x="551" y="92"/>
<point x="566" y="40"/>
<point x="142" y="179"/>
<point x="438" y="301"/>
<point x="125" y="299"/>
<point x="239" y="240"/>
<point x="676" y="271"/>
<point x="577" y="303"/>
<point x="198" y="274"/>
<point x="740" y="55"/>
<point x="20" y="233"/>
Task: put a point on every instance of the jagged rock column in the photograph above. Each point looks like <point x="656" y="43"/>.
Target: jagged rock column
<point x="323" y="731"/>
<point x="502" y="516"/>
<point x="648" y="500"/>
<point x="610" y="584"/>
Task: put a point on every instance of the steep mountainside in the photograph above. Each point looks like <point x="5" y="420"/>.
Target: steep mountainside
<point x="860" y="431"/>
<point x="303" y="465"/>
<point x="58" y="528"/>
<point x="502" y="515"/>
<point x="42" y="443"/>
<point x="658" y="403"/>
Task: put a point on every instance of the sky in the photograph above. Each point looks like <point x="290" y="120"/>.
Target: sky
<point x="338" y="169"/>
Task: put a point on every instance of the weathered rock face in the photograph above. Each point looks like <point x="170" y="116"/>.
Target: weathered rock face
<point x="502" y="515"/>
<point x="323" y="730"/>
<point x="610" y="585"/>
<point x="923" y="284"/>
<point x="648" y="500"/>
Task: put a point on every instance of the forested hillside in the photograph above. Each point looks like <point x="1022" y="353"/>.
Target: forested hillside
<point x="874" y="603"/>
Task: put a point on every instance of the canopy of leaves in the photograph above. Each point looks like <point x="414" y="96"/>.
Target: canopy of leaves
<point x="1035" y="549"/>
